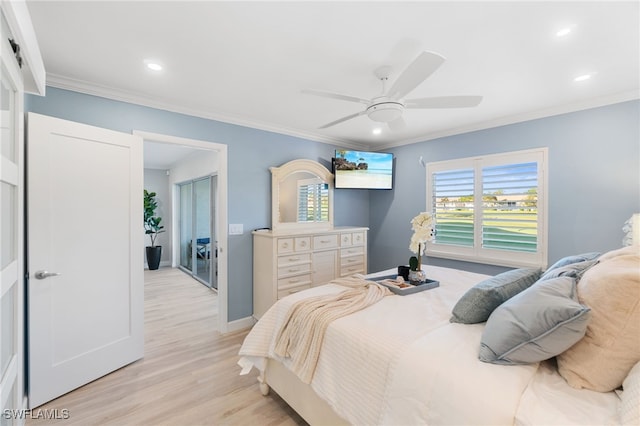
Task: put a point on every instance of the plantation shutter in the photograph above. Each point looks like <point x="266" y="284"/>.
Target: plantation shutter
<point x="453" y="202"/>
<point x="509" y="207"/>
<point x="490" y="209"/>
<point x="313" y="201"/>
<point x="303" y="203"/>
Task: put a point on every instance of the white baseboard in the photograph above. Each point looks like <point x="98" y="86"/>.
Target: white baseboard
<point x="241" y="324"/>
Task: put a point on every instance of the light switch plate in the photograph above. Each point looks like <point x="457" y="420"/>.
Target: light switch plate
<point x="236" y="229"/>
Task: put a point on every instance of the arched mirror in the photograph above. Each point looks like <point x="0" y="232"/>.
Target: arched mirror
<point x="301" y="196"/>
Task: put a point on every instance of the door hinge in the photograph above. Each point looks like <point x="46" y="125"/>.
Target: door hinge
<point x="16" y="51"/>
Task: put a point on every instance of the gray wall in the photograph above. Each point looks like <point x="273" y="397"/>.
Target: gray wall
<point x="250" y="154"/>
<point x="594" y="181"/>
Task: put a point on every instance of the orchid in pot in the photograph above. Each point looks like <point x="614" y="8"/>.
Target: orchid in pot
<point x="423" y="231"/>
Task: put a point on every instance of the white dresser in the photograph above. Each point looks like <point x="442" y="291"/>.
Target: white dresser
<point x="285" y="263"/>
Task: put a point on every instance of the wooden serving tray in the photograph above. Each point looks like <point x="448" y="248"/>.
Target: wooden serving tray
<point x="427" y="285"/>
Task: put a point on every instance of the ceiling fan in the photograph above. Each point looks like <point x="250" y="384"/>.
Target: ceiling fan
<point x="389" y="106"/>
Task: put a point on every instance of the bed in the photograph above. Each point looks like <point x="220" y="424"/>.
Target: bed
<point x="406" y="360"/>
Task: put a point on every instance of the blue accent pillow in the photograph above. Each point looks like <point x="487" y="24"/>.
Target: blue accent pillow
<point x="568" y="260"/>
<point x="480" y="300"/>
<point x="541" y="322"/>
<point x="574" y="270"/>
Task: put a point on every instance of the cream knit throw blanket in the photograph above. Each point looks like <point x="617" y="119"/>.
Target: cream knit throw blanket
<point x="302" y="333"/>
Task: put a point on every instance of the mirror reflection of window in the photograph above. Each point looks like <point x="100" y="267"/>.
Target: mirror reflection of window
<point x="313" y="200"/>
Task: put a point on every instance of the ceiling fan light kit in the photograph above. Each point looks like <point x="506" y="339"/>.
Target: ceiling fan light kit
<point x="385" y="110"/>
<point x="389" y="107"/>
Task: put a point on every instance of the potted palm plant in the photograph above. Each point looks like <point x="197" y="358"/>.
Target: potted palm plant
<point x="152" y="228"/>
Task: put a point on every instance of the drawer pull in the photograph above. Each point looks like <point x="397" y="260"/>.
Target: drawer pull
<point x="285" y="245"/>
<point x="294" y="281"/>
<point x="294" y="270"/>
<point x="325" y="241"/>
<point x="294" y="259"/>
<point x="303" y="244"/>
<point x="352" y="260"/>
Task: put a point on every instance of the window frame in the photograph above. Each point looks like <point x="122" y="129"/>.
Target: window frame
<point x="477" y="253"/>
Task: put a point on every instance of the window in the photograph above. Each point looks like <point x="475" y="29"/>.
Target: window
<point x="490" y="209"/>
<point x="313" y="197"/>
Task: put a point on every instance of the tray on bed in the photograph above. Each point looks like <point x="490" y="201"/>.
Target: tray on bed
<point x="427" y="285"/>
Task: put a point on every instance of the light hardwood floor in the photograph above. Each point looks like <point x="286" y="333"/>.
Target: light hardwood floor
<point x="188" y="375"/>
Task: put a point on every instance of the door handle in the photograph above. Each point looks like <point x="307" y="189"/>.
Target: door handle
<point x="41" y="275"/>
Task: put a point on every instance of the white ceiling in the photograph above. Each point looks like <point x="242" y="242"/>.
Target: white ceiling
<point x="247" y="62"/>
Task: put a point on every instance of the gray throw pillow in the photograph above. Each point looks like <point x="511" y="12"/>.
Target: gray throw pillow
<point x="574" y="270"/>
<point x="541" y="322"/>
<point x="568" y="260"/>
<point x="480" y="300"/>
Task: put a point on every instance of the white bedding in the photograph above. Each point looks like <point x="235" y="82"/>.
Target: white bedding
<point x="400" y="361"/>
<point x="549" y="400"/>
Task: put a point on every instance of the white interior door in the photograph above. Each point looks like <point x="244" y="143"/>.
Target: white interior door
<point x="11" y="234"/>
<point x="84" y="206"/>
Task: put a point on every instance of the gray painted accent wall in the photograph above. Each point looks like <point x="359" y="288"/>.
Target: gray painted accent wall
<point x="594" y="181"/>
<point x="250" y="154"/>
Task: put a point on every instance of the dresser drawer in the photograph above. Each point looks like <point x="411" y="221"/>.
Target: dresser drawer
<point x="291" y="245"/>
<point x="285" y="245"/>
<point x="351" y="260"/>
<point x="294" y="259"/>
<point x="351" y="239"/>
<point x="285" y="271"/>
<point x="302" y="243"/>
<point x="325" y="241"/>
<point x="357" y="238"/>
<point x="346" y="271"/>
<point x="291" y="282"/>
<point x="352" y="251"/>
<point x="290" y="290"/>
<point x="345" y="240"/>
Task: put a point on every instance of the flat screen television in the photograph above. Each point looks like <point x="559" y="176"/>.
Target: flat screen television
<point x="363" y="170"/>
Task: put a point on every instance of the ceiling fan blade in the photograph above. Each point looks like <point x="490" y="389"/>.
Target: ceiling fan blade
<point x="444" y="102"/>
<point x="417" y="72"/>
<point x="343" y="119"/>
<point x="335" y="96"/>
<point x="397" y="124"/>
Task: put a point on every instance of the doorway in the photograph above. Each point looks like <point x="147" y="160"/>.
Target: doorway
<point x="197" y="233"/>
<point x="201" y="167"/>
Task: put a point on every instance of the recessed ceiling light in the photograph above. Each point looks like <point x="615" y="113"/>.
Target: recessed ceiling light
<point x="153" y="65"/>
<point x="377" y="131"/>
<point x="583" y="77"/>
<point x="563" y="32"/>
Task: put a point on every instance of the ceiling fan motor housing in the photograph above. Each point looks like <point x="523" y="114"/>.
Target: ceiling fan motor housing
<point x="384" y="110"/>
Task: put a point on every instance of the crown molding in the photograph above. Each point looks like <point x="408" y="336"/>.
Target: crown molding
<point x="139" y="99"/>
<point x="519" y="118"/>
<point x="107" y="92"/>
